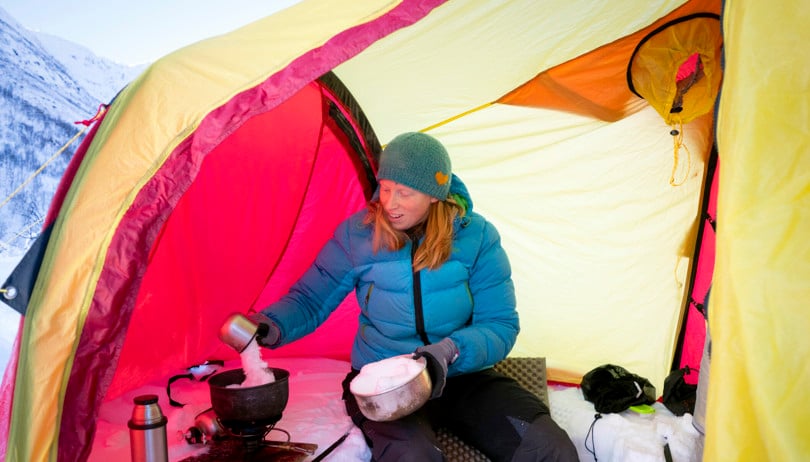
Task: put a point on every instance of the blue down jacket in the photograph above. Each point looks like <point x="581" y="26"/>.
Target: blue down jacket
<point x="470" y="298"/>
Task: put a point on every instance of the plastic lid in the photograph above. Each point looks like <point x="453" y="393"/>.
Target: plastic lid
<point x="146" y="399"/>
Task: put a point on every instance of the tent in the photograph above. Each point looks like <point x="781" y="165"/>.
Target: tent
<point x="212" y="180"/>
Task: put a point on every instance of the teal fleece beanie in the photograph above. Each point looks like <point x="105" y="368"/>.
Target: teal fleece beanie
<point x="418" y="161"/>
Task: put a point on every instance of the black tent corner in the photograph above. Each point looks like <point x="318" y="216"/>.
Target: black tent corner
<point x="20" y="284"/>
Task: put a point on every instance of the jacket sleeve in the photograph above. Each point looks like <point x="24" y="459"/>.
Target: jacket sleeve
<point x="495" y="324"/>
<point x="318" y="292"/>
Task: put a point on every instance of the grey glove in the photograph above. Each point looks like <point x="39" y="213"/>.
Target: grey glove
<point x="268" y="334"/>
<point x="439" y="355"/>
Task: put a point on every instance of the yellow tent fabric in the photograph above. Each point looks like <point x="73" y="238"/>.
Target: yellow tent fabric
<point x="758" y="314"/>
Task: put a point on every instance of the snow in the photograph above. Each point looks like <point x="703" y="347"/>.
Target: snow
<point x="255" y="368"/>
<point x="381" y="376"/>
<point x="101" y="77"/>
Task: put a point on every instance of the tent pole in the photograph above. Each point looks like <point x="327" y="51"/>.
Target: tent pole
<point x="711" y="166"/>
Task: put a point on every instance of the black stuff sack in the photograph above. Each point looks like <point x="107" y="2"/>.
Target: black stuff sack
<point x="679" y="396"/>
<point x="613" y="388"/>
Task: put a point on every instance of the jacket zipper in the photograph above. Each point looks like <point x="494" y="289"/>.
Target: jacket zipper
<point x="417" y="298"/>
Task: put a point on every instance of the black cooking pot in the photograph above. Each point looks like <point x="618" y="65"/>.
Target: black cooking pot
<point x="262" y="404"/>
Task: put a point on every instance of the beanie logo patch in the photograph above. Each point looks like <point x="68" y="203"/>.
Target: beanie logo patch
<point x="442" y="178"/>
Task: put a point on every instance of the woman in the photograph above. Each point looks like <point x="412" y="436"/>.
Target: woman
<point x="431" y="278"/>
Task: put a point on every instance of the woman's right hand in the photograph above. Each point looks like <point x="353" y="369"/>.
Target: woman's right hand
<point x="268" y="334"/>
<point x="238" y="331"/>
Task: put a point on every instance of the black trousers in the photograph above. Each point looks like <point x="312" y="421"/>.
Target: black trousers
<point x="486" y="409"/>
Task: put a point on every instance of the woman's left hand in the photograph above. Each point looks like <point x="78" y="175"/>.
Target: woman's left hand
<point x="438" y="355"/>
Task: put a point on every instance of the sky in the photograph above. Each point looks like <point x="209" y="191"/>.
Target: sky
<point x="135" y="32"/>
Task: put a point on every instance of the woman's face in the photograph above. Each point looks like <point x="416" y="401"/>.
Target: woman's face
<point x="404" y="207"/>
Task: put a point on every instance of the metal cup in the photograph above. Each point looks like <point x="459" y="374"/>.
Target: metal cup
<point x="238" y="331"/>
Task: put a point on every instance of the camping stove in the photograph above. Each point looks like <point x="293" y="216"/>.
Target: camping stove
<point x="252" y="435"/>
<point x="243" y="417"/>
<point x="247" y="442"/>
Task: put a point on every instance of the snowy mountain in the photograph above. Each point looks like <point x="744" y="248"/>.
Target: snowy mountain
<point x="47" y="84"/>
<point x="101" y="77"/>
